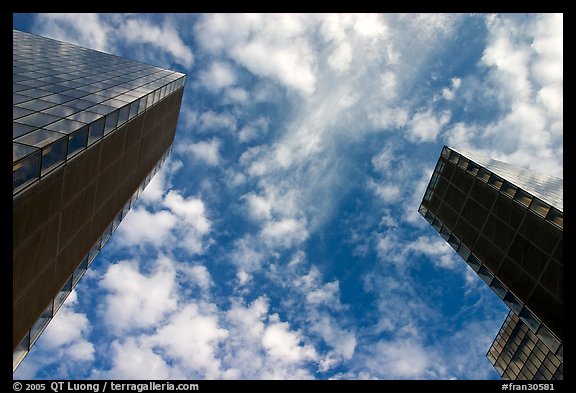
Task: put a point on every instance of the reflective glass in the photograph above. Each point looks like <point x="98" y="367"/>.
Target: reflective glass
<point x="96" y="130"/>
<point x="529" y="319"/>
<point x="485" y="275"/>
<point x="27" y="169"/>
<point x="40" y="324"/>
<point x="541" y="208"/>
<point x="523" y="197"/>
<point x="77" y="141"/>
<point x="111" y="121"/>
<point x="123" y="115"/>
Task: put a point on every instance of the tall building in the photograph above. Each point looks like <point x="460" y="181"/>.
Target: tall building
<point x="507" y="223"/>
<point x="89" y="131"/>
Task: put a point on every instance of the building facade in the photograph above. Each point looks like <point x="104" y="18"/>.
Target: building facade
<point x="507" y="223"/>
<point x="89" y="131"/>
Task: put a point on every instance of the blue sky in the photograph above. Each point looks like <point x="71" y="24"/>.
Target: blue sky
<point x="281" y="239"/>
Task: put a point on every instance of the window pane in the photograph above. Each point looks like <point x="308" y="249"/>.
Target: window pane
<point x="485" y="275"/>
<point x="53" y="155"/>
<point x="123" y="115"/>
<point x="96" y="130"/>
<point x="111" y="121"/>
<point x="77" y="141"/>
<point x="27" y="169"/>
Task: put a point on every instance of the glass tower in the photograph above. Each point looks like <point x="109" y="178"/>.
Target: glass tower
<point x="507" y="223"/>
<point x="89" y="132"/>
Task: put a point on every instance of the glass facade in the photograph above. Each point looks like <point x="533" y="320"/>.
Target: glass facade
<point x="519" y="354"/>
<point x="66" y="98"/>
<point x="90" y="130"/>
<point x="512" y="237"/>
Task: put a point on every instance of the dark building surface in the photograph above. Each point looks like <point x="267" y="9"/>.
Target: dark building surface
<point x="89" y="131"/>
<point x="507" y="224"/>
<point x="518" y="353"/>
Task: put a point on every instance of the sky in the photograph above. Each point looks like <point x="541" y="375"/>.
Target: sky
<point x="281" y="239"/>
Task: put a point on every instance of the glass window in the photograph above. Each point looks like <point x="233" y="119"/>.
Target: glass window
<point x="142" y="106"/>
<point x="529" y="319"/>
<point x="21" y="129"/>
<point x="445" y="233"/>
<point x="40" y="324"/>
<point x="463" y="251"/>
<point x="79" y="272"/>
<point x="548" y="338"/>
<point x="61" y="110"/>
<point x="111" y="121"/>
<point x="106" y="235"/>
<point x="34" y="93"/>
<point x="436" y="224"/>
<point x="26" y="169"/>
<point x="123" y="115"/>
<point x="63" y="294"/>
<point x="498" y="288"/>
<point x="96" y="130"/>
<point x="65" y="126"/>
<point x="94" y="251"/>
<point x="38" y="119"/>
<point x="134" y="109"/>
<point x="58" y="99"/>
<point x="472" y="168"/>
<point x="523" y="197"/>
<point x="102" y="109"/>
<point x="473" y="262"/>
<point x="21" y="351"/>
<point x="539" y="207"/>
<point x="556" y="216"/>
<point x="53" y="146"/>
<point x="36" y="105"/>
<point x="512" y="302"/>
<point x="19" y="112"/>
<point x="80" y="104"/>
<point x="116" y="221"/>
<point x="77" y="141"/>
<point x="485" y="275"/>
<point x="483" y="174"/>
<point x="495" y="181"/>
<point x="453" y="241"/>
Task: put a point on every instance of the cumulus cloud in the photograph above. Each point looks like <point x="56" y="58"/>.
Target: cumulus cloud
<point x="426" y="125"/>
<point x="135" y="300"/>
<point x="205" y="151"/>
<point x="85" y="29"/>
<point x="164" y="37"/>
<point x="108" y="32"/>
<point x="143" y="227"/>
<point x="218" y="76"/>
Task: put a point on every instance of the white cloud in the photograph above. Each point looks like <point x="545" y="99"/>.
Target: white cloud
<point x="284" y="233"/>
<point x="163" y="38"/>
<point x="132" y="359"/>
<point x="245" y="254"/>
<point x="218" y="76"/>
<point x="205" y="151"/>
<point x="402" y="359"/>
<point x="259" y="208"/>
<point x="284" y="345"/>
<point x="135" y="300"/>
<point x="236" y="94"/>
<point x="192" y="337"/>
<point x="199" y="275"/>
<point x="211" y="120"/>
<point x="141" y="227"/>
<point x="426" y="125"/>
<point x="389" y="193"/>
<point x="437" y="250"/>
<point x="191" y="209"/>
<point x="193" y="224"/>
<point x="85" y="29"/>
<point x="273" y="46"/>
